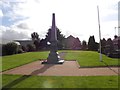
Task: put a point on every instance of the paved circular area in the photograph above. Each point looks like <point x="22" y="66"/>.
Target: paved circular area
<point x="68" y="68"/>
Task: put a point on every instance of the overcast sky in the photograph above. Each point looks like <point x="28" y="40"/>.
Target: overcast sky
<point x="19" y="18"/>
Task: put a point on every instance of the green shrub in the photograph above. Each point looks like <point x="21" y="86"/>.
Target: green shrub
<point x="30" y="47"/>
<point x="20" y="51"/>
<point x="9" y="48"/>
<point x="24" y="48"/>
<point x="3" y="50"/>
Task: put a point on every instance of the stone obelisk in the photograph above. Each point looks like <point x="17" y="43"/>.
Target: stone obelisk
<point x="53" y="57"/>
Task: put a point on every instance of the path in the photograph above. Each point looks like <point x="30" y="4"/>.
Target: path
<point x="68" y="68"/>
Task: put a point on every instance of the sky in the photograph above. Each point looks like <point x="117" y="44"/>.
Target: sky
<point x="20" y="18"/>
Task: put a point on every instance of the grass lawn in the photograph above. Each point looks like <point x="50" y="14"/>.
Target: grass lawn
<point x="12" y="61"/>
<point x="17" y="81"/>
<point x="90" y="58"/>
<point x="84" y="58"/>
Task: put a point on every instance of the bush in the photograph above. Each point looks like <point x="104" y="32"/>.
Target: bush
<point x="24" y="49"/>
<point x="30" y="47"/>
<point x="9" y="48"/>
<point x="20" y="51"/>
<point x="3" y="50"/>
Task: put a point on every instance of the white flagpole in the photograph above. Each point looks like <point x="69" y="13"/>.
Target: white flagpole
<point x="99" y="34"/>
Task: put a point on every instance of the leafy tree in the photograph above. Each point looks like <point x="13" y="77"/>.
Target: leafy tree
<point x="4" y="50"/>
<point x="96" y="46"/>
<point x="60" y="37"/>
<point x="36" y="39"/>
<point x="84" y="45"/>
<point x="43" y="44"/>
<point x="30" y="48"/>
<point x="92" y="45"/>
<point x="24" y="48"/>
<point x="35" y="36"/>
<point x="20" y="51"/>
<point x="9" y="48"/>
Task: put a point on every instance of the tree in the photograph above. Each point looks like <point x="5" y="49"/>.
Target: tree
<point x="4" y="50"/>
<point x="43" y="44"/>
<point x="36" y="39"/>
<point x="60" y="37"/>
<point x="84" y="45"/>
<point x="9" y="48"/>
<point x="103" y="45"/>
<point x="24" y="48"/>
<point x="35" y="36"/>
<point x="92" y="45"/>
<point x="30" y="48"/>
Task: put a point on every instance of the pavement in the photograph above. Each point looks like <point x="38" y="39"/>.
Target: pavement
<point x="68" y="68"/>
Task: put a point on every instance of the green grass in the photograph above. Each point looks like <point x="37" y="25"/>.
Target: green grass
<point x="84" y="58"/>
<point x="12" y="61"/>
<point x="17" y="81"/>
<point x="90" y="58"/>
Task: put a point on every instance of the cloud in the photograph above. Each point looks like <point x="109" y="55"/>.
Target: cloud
<point x="109" y="12"/>
<point x="1" y="13"/>
<point x="8" y="33"/>
<point x="37" y="1"/>
<point x="79" y="17"/>
<point x="111" y="17"/>
<point x="114" y="6"/>
<point x="11" y="8"/>
<point x="23" y="26"/>
<point x="11" y="34"/>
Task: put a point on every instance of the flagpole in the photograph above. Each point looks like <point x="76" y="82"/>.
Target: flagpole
<point x="99" y="35"/>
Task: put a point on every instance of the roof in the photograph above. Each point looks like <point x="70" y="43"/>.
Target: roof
<point x="17" y="43"/>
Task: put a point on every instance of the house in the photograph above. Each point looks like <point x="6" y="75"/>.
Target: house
<point x="112" y="48"/>
<point x="116" y="43"/>
<point x="24" y="42"/>
<point x="72" y="43"/>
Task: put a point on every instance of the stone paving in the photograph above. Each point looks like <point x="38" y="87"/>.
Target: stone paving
<point x="68" y="68"/>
